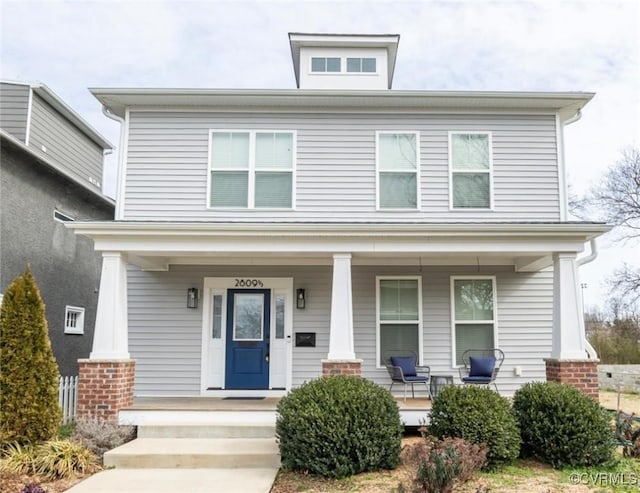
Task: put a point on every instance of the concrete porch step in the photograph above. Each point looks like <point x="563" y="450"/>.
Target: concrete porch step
<point x="231" y="453"/>
<point x="205" y="430"/>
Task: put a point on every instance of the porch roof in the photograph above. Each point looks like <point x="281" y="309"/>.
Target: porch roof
<point x="156" y="245"/>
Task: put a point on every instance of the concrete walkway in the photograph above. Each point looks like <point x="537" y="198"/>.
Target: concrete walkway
<point x="178" y="481"/>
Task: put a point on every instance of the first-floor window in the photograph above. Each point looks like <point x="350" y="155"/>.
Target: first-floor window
<point x="399" y="316"/>
<point x="473" y="313"/>
<point x="251" y="169"/>
<point x="74" y="320"/>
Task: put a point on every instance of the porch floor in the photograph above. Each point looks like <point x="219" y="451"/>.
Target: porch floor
<point x="238" y="404"/>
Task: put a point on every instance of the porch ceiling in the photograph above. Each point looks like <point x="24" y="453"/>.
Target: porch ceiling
<point x="155" y="246"/>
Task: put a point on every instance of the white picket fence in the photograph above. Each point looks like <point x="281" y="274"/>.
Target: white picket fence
<point x="68" y="398"/>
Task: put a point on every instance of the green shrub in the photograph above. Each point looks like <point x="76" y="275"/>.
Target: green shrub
<point x="478" y="415"/>
<point x="100" y="435"/>
<point x="440" y="464"/>
<point x="338" y="426"/>
<point x="562" y="426"/>
<point x="29" y="410"/>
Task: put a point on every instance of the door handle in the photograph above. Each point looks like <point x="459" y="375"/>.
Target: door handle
<point x="266" y="357"/>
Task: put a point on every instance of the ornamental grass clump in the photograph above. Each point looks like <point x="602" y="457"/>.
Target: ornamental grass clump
<point x="29" y="410"/>
<point x="53" y="459"/>
<point x="478" y="415"/>
<point x="338" y="426"/>
<point x="562" y="426"/>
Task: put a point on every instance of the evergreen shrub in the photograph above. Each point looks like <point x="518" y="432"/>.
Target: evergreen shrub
<point x="338" y="426"/>
<point x="479" y="415"/>
<point x="29" y="410"/>
<point x="562" y="426"/>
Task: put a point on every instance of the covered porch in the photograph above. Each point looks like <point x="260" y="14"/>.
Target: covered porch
<point x="218" y="410"/>
<point x="148" y="269"/>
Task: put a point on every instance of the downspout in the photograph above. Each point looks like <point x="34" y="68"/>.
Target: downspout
<point x="119" y="188"/>
<point x="562" y="172"/>
<point x="580" y="262"/>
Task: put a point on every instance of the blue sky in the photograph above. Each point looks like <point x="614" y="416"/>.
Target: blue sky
<point x="449" y="45"/>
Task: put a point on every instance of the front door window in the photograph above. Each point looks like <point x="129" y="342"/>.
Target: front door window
<point x="248" y="317"/>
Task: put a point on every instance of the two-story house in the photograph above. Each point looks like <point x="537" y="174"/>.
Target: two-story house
<point x="51" y="168"/>
<point x="266" y="237"/>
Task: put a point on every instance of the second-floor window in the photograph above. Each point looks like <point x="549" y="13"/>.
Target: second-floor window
<point x="251" y="169"/>
<point x="470" y="167"/>
<point x="398" y="165"/>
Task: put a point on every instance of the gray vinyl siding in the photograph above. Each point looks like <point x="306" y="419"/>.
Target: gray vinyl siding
<point x="165" y="337"/>
<point x="14" y="104"/>
<point x="167" y="166"/>
<point x="65" y="144"/>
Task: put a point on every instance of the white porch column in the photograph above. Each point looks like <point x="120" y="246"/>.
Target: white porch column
<point x="110" y="338"/>
<point x="569" y="340"/>
<point x="341" y="328"/>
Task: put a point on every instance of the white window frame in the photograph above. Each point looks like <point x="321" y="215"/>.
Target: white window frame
<point x="471" y="171"/>
<point x="252" y="168"/>
<point x="311" y="71"/>
<point x="417" y="171"/>
<point x="454" y="322"/>
<point x="346" y="68"/>
<point x="79" y="328"/>
<point x="343" y="65"/>
<point x="398" y="322"/>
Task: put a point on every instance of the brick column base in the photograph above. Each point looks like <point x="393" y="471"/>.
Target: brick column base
<point x="342" y="367"/>
<point x="104" y="387"/>
<point x="582" y="374"/>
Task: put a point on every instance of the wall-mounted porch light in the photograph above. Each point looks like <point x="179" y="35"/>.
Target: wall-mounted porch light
<point x="192" y="298"/>
<point x="300" y="298"/>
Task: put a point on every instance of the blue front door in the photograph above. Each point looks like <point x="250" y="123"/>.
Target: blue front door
<point x="248" y="322"/>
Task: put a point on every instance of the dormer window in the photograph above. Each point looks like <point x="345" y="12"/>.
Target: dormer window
<point x="364" y="65"/>
<point x="350" y="62"/>
<point x="325" y="64"/>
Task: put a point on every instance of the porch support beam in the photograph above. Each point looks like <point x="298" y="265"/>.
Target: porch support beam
<point x="532" y="264"/>
<point x="570" y="362"/>
<point x="341" y="327"/>
<point x="569" y="340"/>
<point x="110" y="338"/>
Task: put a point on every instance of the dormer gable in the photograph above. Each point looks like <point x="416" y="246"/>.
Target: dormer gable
<point x="344" y="61"/>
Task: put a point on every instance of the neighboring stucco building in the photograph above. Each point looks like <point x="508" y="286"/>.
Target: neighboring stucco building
<point x="51" y="168"/>
<point x="266" y="237"/>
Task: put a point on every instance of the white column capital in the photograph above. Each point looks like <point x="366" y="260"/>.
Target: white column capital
<point x="341" y="327"/>
<point x="342" y="256"/>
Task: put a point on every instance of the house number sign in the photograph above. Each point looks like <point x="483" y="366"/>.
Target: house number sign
<point x="248" y="283"/>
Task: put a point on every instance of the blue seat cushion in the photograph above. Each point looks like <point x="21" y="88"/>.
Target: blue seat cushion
<point x="481" y="367"/>
<point x="416" y="378"/>
<point x="406" y="363"/>
<point x="476" y="379"/>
